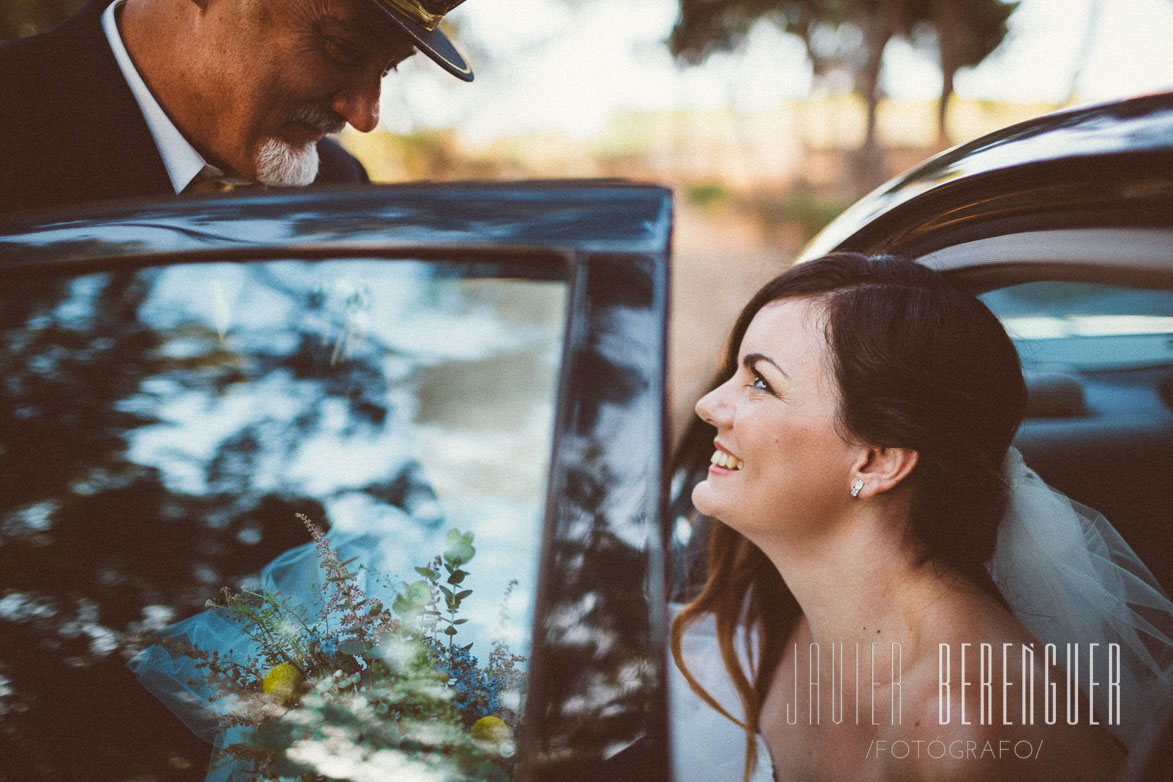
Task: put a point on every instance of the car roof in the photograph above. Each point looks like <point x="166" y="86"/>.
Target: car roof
<point x="598" y="216"/>
<point x="1105" y="167"/>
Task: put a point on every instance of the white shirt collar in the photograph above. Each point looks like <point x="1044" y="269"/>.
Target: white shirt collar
<point x="180" y="158"/>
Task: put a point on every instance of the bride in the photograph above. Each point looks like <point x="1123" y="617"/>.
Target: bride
<point x="873" y="613"/>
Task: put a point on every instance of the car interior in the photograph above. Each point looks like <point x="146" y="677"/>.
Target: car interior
<point x="1098" y="363"/>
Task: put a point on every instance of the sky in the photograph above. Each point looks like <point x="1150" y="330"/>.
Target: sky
<point x="571" y="65"/>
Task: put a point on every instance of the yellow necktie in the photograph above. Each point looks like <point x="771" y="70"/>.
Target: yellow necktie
<point x="205" y="185"/>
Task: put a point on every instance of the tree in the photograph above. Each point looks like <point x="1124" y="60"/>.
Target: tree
<point x="967" y="32"/>
<point x="851" y="36"/>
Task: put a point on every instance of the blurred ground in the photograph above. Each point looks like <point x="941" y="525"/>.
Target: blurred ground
<point x="720" y="258"/>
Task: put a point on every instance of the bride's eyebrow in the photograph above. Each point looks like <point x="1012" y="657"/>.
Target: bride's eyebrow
<point x="753" y="358"/>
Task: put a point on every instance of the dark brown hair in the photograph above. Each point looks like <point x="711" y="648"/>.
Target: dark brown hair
<point x="919" y="364"/>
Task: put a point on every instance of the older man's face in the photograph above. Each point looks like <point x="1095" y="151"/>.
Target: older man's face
<point x="279" y="74"/>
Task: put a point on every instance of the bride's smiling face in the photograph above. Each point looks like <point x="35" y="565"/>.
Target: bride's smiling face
<point x="779" y="459"/>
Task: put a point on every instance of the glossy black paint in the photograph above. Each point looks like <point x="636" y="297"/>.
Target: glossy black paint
<point x="596" y="636"/>
<point x="600" y="610"/>
<point x="1100" y="166"/>
<point x="603" y="216"/>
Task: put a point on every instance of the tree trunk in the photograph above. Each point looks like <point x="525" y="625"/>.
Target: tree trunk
<point x="870" y="170"/>
<point x="947" y="17"/>
<point x="882" y="26"/>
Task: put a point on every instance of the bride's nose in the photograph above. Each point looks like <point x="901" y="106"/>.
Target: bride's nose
<point x="712" y="408"/>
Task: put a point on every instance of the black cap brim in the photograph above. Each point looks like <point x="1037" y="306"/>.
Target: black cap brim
<point x="433" y="43"/>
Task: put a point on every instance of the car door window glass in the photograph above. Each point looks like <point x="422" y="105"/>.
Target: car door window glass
<point x="165" y="428"/>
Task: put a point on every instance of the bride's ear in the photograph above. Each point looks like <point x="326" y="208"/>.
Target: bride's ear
<point x="881" y="470"/>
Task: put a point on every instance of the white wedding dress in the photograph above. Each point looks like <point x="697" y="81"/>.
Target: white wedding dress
<point x="1068" y="577"/>
<point x="707" y="747"/>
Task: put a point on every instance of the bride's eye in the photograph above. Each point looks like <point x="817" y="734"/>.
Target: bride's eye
<point x="758" y="382"/>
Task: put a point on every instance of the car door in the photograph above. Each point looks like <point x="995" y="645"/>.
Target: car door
<point x="459" y="387"/>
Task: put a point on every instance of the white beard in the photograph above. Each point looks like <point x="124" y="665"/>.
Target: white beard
<point x="280" y="164"/>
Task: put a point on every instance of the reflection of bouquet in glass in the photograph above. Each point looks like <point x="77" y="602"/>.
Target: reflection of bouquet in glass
<point x="362" y="690"/>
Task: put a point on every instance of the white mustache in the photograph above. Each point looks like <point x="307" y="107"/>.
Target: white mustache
<point x="319" y="118"/>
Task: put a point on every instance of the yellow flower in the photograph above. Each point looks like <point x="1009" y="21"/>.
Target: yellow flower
<point x="492" y="729"/>
<point x="282" y="682"/>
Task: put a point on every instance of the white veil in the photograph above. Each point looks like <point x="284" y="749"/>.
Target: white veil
<point x="1071" y="579"/>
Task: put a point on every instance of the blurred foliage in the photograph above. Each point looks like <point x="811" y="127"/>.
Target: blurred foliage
<point x="806" y="212"/>
<point x="797" y="212"/>
<point x="424" y="154"/>
<point x="848" y="37"/>
<point x="708" y="195"/>
<point x="421" y="697"/>
<point x="22" y="18"/>
<point x="429" y="154"/>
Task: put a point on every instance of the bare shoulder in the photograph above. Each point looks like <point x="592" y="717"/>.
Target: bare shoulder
<point x="988" y="704"/>
<point x="1011" y="753"/>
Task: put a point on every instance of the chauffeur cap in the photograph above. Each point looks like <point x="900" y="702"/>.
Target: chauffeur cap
<point x="420" y="20"/>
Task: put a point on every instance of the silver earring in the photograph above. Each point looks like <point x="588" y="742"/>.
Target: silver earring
<point x="856" y="486"/>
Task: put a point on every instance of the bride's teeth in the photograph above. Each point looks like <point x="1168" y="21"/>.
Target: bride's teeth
<point x="728" y="461"/>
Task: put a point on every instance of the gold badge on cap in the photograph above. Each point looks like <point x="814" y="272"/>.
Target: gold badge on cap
<point x="420" y="19"/>
<point x="426" y="13"/>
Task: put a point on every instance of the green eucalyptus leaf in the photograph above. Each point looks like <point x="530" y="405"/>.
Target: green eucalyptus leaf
<point x="417" y="592"/>
<point x="275" y="735"/>
<point x="353" y="648"/>
<point x="459" y="548"/>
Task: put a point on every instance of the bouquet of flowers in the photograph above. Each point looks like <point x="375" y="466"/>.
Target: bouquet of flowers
<point x="340" y="685"/>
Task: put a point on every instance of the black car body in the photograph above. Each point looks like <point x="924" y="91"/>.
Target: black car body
<point x="523" y="309"/>
<point x="181" y="379"/>
<point x="1079" y="205"/>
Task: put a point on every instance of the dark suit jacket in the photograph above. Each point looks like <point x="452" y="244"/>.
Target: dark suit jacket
<point x="71" y="131"/>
